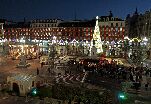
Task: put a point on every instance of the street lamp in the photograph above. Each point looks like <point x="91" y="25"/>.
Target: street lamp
<point x="145" y="39"/>
<point x="122" y="96"/>
<point x="126" y="37"/>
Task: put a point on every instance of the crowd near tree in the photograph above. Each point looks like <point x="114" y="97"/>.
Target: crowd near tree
<point x="116" y="73"/>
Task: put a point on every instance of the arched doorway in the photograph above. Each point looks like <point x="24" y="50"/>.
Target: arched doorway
<point x="16" y="88"/>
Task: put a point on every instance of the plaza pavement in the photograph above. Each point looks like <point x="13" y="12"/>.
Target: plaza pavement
<point x="10" y="66"/>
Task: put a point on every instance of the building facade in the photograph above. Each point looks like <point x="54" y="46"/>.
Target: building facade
<point x="45" y="23"/>
<point x="1" y="30"/>
<point x="78" y="30"/>
<point x="146" y="30"/>
<point x="111" y="28"/>
<point x="79" y="34"/>
<point x="138" y="25"/>
<point x="132" y="25"/>
<point x="66" y="30"/>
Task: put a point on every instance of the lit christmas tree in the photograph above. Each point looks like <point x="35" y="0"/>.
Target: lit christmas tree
<point x="96" y="40"/>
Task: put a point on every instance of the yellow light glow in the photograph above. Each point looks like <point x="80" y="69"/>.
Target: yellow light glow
<point x="135" y="39"/>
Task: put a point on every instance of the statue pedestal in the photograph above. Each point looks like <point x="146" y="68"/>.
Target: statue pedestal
<point x="93" y="52"/>
<point x="23" y="63"/>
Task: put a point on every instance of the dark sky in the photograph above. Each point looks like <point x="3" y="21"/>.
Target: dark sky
<point x="65" y="9"/>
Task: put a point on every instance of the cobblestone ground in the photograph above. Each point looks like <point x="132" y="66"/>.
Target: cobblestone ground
<point x="7" y="99"/>
<point x="9" y="67"/>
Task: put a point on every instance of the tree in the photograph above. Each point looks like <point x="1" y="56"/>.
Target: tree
<point x="45" y="92"/>
<point x="126" y="47"/>
<point x="52" y="55"/>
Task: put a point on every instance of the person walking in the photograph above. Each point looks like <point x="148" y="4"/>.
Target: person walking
<point x="146" y="86"/>
<point x="42" y="65"/>
<point x="37" y="71"/>
<point x="48" y="70"/>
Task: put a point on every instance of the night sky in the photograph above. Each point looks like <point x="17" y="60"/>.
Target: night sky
<point x="66" y="9"/>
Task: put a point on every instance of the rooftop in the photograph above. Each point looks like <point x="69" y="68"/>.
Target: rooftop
<point x="77" y="23"/>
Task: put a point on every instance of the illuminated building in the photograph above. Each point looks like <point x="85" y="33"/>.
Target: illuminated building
<point x="111" y="28"/>
<point x="1" y="30"/>
<point x="1" y="45"/>
<point x="45" y="23"/>
<point x="138" y="25"/>
<point x="78" y="30"/>
<point x="15" y="31"/>
<point x="131" y="25"/>
<point x="78" y="33"/>
<point x="66" y="30"/>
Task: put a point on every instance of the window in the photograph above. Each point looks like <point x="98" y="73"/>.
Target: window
<point x="111" y="24"/>
<point x="112" y="19"/>
<point x="102" y="38"/>
<point x="107" y="38"/>
<point x="117" y="24"/>
<point x="116" y="29"/>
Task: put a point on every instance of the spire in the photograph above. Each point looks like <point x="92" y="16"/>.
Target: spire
<point x="110" y="13"/>
<point x="136" y="9"/>
<point x="136" y="12"/>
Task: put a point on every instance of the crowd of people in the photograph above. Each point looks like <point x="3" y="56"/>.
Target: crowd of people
<point x="112" y="71"/>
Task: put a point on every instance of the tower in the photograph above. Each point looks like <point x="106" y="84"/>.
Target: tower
<point x="96" y="40"/>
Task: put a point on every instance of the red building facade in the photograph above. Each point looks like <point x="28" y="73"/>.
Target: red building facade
<point x="78" y="30"/>
<point x="112" y="33"/>
<point x="66" y="33"/>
